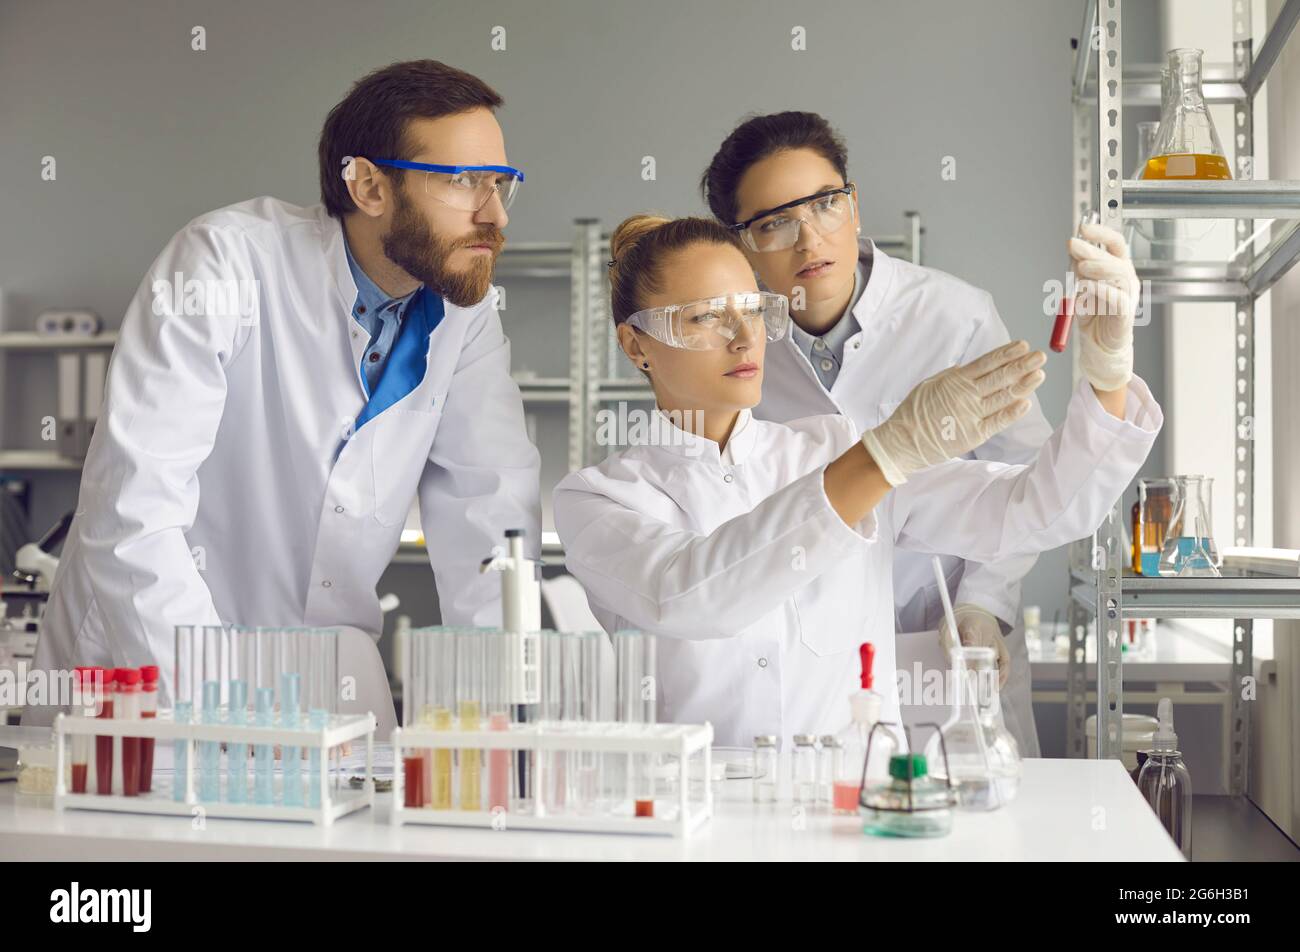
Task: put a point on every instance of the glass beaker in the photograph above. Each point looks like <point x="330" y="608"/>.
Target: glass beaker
<point x="1148" y="132"/>
<point x="1155" y="508"/>
<point x="1187" y="146"/>
<point x="1189" y="549"/>
<point x="983" y="760"/>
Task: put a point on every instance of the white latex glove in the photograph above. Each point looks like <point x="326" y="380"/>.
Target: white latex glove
<point x="956" y="410"/>
<point x="1105" y="304"/>
<point x="977" y="628"/>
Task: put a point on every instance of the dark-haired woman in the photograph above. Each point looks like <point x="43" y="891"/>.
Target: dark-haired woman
<point x="866" y="329"/>
<point x="761" y="553"/>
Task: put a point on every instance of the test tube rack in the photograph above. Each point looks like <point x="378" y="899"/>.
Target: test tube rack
<point x="686" y="742"/>
<point x="338" y="730"/>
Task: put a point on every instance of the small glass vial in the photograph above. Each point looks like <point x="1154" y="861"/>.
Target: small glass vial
<point x="803" y="769"/>
<point x="765" y="768"/>
<point x="830" y="757"/>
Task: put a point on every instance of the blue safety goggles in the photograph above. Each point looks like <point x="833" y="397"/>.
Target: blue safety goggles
<point x="467" y="187"/>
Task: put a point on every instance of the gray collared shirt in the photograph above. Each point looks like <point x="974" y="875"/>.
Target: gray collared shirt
<point x="826" y="352"/>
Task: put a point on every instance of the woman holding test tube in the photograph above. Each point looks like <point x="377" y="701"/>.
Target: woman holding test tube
<point x="761" y="553"/>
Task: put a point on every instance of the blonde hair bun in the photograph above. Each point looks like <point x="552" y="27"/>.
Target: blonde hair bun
<point x="629" y="232"/>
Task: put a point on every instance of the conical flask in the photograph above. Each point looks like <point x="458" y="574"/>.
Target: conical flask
<point x="983" y="760"/>
<point x="1187" y="146"/>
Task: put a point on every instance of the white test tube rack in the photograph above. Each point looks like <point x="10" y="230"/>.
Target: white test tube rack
<point x="684" y="741"/>
<point x="339" y="729"/>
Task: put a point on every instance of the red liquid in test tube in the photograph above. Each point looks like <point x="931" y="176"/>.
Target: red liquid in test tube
<point x="148" y="708"/>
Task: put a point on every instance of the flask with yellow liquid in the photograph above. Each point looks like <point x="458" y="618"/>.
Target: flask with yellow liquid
<point x="1187" y="146"/>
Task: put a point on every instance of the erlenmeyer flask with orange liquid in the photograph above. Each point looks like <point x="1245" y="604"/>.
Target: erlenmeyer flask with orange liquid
<point x="1187" y="146"/>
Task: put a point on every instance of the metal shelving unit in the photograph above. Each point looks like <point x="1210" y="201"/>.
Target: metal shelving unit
<point x="1098" y="585"/>
<point x="30" y="342"/>
<point x="596" y="364"/>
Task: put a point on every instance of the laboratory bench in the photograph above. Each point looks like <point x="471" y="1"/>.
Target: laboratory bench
<point x="1067" y="810"/>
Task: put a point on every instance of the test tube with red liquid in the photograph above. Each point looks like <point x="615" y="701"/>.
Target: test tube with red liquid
<point x="1065" y="313"/>
<point x="127" y="708"/>
<point x="86" y="702"/>
<point x="104" y="742"/>
<point x="148" y="709"/>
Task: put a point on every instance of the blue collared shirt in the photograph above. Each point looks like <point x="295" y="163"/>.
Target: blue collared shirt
<point x="380" y="315"/>
<point x="826" y="352"/>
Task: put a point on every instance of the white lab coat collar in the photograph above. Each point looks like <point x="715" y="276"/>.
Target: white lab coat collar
<point x="683" y="442"/>
<point x="335" y="252"/>
<point x="883" y="270"/>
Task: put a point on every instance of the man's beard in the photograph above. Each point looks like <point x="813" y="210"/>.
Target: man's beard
<point x="412" y="246"/>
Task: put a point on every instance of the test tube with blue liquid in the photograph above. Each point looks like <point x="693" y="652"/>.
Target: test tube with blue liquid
<point x="243" y="653"/>
<point x="267" y="667"/>
<point x="264" y="754"/>
<point x="322" y="658"/>
<point x="183" y="674"/>
<point x="215" y="656"/>
<point x="290" y="694"/>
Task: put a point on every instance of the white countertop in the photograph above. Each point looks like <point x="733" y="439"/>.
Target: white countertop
<point x="1067" y="810"/>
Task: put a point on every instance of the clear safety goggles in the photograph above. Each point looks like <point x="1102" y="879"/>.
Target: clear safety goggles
<point x="467" y="187"/>
<point x="713" y="323"/>
<point x="777" y="229"/>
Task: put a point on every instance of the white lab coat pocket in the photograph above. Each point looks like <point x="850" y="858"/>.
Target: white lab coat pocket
<point x="833" y="608"/>
<point x="399" y="452"/>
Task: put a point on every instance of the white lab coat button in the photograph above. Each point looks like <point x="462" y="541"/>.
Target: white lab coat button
<point x="857" y="344"/>
<point x="326" y="584"/>
<point x="819" y="344"/>
<point x="827" y="364"/>
<point x="338" y="508"/>
<point x="762" y="662"/>
<point x="728" y="478"/>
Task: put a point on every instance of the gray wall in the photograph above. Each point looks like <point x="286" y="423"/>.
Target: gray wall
<point x="148" y="134"/>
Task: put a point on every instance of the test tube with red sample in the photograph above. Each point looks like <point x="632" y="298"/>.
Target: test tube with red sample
<point x="1065" y="312"/>
<point x="104" y="742"/>
<point x="85" y="704"/>
<point x="148" y="709"/>
<point x="127" y="708"/>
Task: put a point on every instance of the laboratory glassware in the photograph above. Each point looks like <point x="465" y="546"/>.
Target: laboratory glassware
<point x="911" y="804"/>
<point x="1065" y="310"/>
<point x="803" y="769"/>
<point x="1189" y="548"/>
<point x="148" y="709"/>
<point x="243" y="670"/>
<point x="469" y="700"/>
<point x="864" y="713"/>
<point x="439" y="714"/>
<point x="127" y="708"/>
<point x="636" y="689"/>
<point x="498" y="660"/>
<point x="765" y="768"/>
<point x="1187" y="145"/>
<point x="1165" y="782"/>
<point x="88" y="684"/>
<point x="1147" y="134"/>
<point x="983" y="760"/>
<point x="1155" y="509"/>
<point x="104" y="742"/>
<point x="830" y="763"/>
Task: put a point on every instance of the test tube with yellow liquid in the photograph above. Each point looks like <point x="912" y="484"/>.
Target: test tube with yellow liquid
<point x="469" y="700"/>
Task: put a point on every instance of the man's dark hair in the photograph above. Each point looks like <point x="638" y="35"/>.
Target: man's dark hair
<point x="371" y="120"/>
<point x="755" y="139"/>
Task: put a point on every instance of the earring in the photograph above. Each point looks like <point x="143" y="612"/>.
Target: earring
<point x="645" y="364"/>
